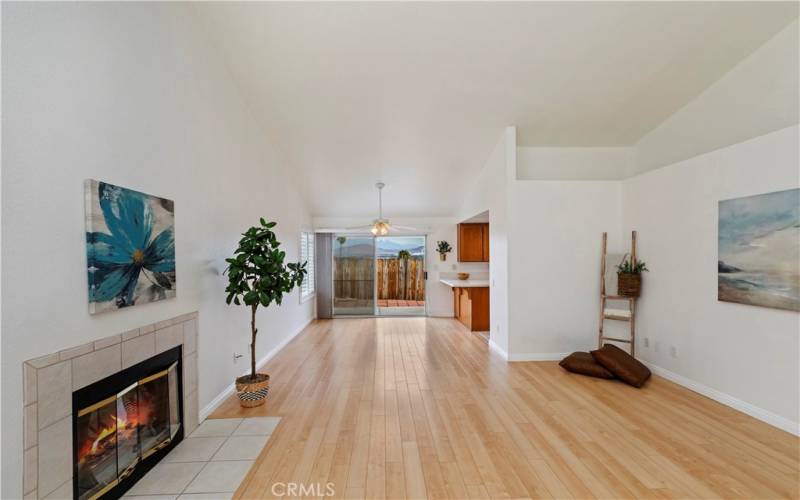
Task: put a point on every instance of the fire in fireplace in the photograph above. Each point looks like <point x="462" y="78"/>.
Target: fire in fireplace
<point x="121" y="435"/>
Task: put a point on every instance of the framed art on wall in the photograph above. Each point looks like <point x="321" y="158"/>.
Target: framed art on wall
<point x="130" y="247"/>
<point x="759" y="250"/>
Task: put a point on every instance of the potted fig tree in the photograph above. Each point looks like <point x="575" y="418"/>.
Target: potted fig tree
<point x="257" y="276"/>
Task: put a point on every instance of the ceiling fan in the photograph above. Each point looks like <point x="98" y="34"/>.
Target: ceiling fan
<point x="381" y="226"/>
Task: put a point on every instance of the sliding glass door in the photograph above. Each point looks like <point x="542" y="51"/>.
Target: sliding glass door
<point x="353" y="275"/>
<point x="382" y="276"/>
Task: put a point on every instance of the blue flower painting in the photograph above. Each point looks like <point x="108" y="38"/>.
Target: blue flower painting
<point x="759" y="250"/>
<point x="130" y="247"/>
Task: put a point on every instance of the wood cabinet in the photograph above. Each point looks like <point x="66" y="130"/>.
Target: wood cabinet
<point x="473" y="242"/>
<point x="471" y="306"/>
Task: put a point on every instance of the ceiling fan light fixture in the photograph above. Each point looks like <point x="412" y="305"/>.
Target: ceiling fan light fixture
<point x="380" y="227"/>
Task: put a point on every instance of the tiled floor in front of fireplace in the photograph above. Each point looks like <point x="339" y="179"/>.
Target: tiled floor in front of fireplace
<point x="210" y="463"/>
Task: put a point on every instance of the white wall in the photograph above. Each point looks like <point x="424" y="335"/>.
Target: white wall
<point x="555" y="265"/>
<point x="588" y="164"/>
<point x="491" y="191"/>
<point x="759" y="95"/>
<point x="131" y="94"/>
<point x="750" y="353"/>
<point x="738" y="138"/>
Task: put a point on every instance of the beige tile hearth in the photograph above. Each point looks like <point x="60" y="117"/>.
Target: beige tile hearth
<point x="138" y="349"/>
<point x="220" y="477"/>
<point x="257" y="426"/>
<point x="29" y="383"/>
<point x="190" y="411"/>
<point x="95" y="366"/>
<point x="169" y="337"/>
<point x="31" y="461"/>
<point x="190" y="368"/>
<point x="48" y="384"/>
<point x="30" y="428"/>
<point x="217" y="427"/>
<point x="190" y="336"/>
<point x="63" y="492"/>
<point x="195" y="449"/>
<point x="223" y="456"/>
<point x="241" y="448"/>
<point x="56" y="457"/>
<point x="166" y="479"/>
<point x="54" y="388"/>
<point x="205" y="496"/>
<point x="152" y="497"/>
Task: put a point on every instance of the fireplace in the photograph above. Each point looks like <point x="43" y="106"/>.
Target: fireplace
<point x="124" y="424"/>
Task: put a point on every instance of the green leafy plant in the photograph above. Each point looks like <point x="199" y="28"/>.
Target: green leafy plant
<point x="257" y="276"/>
<point x="628" y="267"/>
<point x="443" y="247"/>
<point x="341" y="240"/>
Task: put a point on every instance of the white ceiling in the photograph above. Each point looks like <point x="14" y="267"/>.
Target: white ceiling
<point x="416" y="94"/>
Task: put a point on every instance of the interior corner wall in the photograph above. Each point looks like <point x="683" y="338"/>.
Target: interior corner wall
<point x="555" y="283"/>
<point x="491" y="191"/>
<point x="132" y="94"/>
<point x="749" y="353"/>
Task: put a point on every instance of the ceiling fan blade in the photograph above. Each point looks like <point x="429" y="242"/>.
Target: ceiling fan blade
<point x="353" y="228"/>
<point x="404" y="228"/>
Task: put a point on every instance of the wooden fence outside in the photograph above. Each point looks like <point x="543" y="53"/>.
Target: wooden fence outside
<point x="354" y="278"/>
<point x="401" y="279"/>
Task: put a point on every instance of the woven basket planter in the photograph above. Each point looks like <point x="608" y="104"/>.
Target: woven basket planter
<point x="629" y="284"/>
<point x="252" y="394"/>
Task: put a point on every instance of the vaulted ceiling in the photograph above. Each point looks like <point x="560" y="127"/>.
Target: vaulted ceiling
<point x="416" y="94"/>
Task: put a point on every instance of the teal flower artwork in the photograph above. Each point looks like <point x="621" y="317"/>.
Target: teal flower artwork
<point x="130" y="247"/>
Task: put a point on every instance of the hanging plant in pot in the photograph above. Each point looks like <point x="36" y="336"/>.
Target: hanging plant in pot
<point x="443" y="248"/>
<point x="257" y="277"/>
<point x="629" y="276"/>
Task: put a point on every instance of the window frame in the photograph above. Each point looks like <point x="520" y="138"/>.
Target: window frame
<point x="308" y="252"/>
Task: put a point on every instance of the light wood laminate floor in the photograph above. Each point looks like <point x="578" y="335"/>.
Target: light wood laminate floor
<point x="416" y="407"/>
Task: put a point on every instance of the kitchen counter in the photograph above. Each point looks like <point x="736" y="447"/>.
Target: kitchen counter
<point x="470" y="302"/>
<point x="466" y="283"/>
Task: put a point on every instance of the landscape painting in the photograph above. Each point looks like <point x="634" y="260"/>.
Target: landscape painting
<point x="759" y="250"/>
<point x="130" y="247"/>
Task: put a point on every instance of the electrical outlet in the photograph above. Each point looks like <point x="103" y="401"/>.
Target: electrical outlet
<point x="673" y="351"/>
<point x="646" y="342"/>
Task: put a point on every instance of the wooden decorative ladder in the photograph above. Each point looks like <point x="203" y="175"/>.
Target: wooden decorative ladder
<point x="629" y="314"/>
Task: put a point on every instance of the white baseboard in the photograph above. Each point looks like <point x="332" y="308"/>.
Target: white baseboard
<point x="539" y="356"/>
<point x="766" y="416"/>
<point x="231" y="389"/>
<point x="496" y="348"/>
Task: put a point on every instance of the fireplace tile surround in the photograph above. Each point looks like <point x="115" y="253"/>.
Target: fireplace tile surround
<point x="50" y="380"/>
